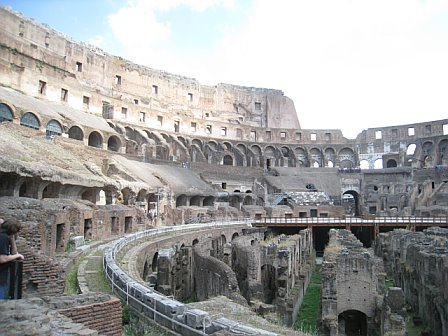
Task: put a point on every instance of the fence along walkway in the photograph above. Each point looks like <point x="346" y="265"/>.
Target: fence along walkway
<point x="163" y="310"/>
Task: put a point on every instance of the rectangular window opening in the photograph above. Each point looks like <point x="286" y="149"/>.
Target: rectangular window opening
<point x="64" y="95"/>
<point x="299" y="136"/>
<point x="239" y="133"/>
<point x="160" y="120"/>
<point x="208" y="129"/>
<point x="42" y="87"/>
<point x="78" y="66"/>
<point x="411" y="131"/>
<point x="142" y="117"/>
<point x="190" y="97"/>
<point x="327" y="136"/>
<point x="445" y="129"/>
<point x="117" y="79"/>
<point x="378" y="134"/>
<point x="428" y="129"/>
<point x="155" y="89"/>
<point x="86" y="101"/>
<point x="223" y="131"/>
<point x="313" y="136"/>
<point x="257" y="106"/>
<point x="135" y="101"/>
<point x="176" y="126"/>
<point x="282" y="135"/>
<point x="268" y="136"/>
<point x="253" y="136"/>
<point x="194" y="126"/>
<point x="124" y="113"/>
<point x="394" y="132"/>
<point x="224" y="185"/>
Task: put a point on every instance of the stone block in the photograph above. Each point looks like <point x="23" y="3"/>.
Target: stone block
<point x="195" y="318"/>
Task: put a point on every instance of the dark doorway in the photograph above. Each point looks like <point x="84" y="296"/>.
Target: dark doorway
<point x="268" y="282"/>
<point x="353" y="322"/>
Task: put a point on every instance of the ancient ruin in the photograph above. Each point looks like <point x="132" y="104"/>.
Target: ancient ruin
<point x="210" y="196"/>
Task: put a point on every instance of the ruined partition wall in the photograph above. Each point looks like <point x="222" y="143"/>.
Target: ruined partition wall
<point x="352" y="285"/>
<point x="418" y="262"/>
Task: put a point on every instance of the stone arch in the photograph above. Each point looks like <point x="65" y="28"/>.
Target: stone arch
<point x="76" y="132"/>
<point x="195" y="242"/>
<point x="209" y="201"/>
<point x="411" y="149"/>
<point x="128" y="196"/>
<point x="6" y="113"/>
<point x="235" y="235"/>
<point x="256" y="152"/>
<point x="302" y="156"/>
<point x="287" y="156"/>
<point x="329" y="156"/>
<point x="181" y="200"/>
<point x="353" y="322"/>
<point x="242" y="148"/>
<point x="227" y="146"/>
<point x="351" y="204"/>
<point x="364" y="164"/>
<point x="195" y="200"/>
<point x="51" y="190"/>
<point x="114" y="143"/>
<point x="95" y="140"/>
<point x="53" y="128"/>
<point x="90" y="194"/>
<point x="213" y="145"/>
<point x="141" y="195"/>
<point x="426" y="159"/>
<point x="391" y="163"/>
<point x="347" y="158"/>
<point x="183" y="141"/>
<point x="198" y="143"/>
<point x="269" y="283"/>
<point x="270" y="156"/>
<point x="29" y="119"/>
<point x="378" y="164"/>
<point x="227" y="160"/>
<point x="248" y="200"/>
<point x="442" y="153"/>
<point x="316" y="157"/>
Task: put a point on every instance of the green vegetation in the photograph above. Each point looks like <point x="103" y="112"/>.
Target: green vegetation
<point x="412" y="329"/>
<point x="308" y="316"/>
<point x="389" y="282"/>
<point x="71" y="280"/>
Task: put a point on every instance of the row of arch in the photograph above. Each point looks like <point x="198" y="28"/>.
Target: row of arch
<point x="55" y="128"/>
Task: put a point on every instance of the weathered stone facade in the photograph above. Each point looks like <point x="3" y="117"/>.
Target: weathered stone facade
<point x="418" y="262"/>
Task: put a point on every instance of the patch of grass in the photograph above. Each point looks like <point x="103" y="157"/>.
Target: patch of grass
<point x="412" y="329"/>
<point x="389" y="282"/>
<point x="71" y="280"/>
<point x="308" y="316"/>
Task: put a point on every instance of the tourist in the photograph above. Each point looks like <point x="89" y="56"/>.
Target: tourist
<point x="8" y="250"/>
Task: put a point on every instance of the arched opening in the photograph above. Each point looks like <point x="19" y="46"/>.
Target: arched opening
<point x="330" y="164"/>
<point x="364" y="164"/>
<point x="248" y="200"/>
<point x="76" y="133"/>
<point x="181" y="200"/>
<point x="95" y="140"/>
<point x="5" y="113"/>
<point x="30" y="120"/>
<point x="352" y="323"/>
<point x="53" y="128"/>
<point x="51" y="190"/>
<point x="209" y="201"/>
<point x="235" y="235"/>
<point x="269" y="283"/>
<point x="350" y="201"/>
<point x="195" y="242"/>
<point x="91" y="195"/>
<point x="378" y="164"/>
<point x="227" y="160"/>
<point x="195" y="200"/>
<point x="114" y="144"/>
<point x="411" y="149"/>
<point x="391" y="163"/>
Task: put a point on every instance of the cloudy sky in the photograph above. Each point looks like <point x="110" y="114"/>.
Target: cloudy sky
<point x="347" y="64"/>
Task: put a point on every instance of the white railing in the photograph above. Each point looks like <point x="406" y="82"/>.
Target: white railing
<point x="163" y="310"/>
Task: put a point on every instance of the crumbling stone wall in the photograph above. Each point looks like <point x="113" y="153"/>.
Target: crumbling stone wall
<point x="352" y="280"/>
<point x="418" y="262"/>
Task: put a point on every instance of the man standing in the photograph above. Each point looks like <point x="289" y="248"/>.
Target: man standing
<point x="8" y="251"/>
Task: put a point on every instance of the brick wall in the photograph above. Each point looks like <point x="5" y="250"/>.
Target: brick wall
<point x="101" y="312"/>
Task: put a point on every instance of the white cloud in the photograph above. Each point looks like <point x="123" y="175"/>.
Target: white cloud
<point x="347" y="64"/>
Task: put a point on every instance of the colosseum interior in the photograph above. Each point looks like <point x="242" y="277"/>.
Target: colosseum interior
<point x="210" y="206"/>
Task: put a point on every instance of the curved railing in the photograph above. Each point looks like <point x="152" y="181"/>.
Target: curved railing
<point x="150" y="304"/>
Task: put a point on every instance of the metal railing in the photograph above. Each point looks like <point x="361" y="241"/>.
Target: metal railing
<point x="152" y="305"/>
<point x="352" y="220"/>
